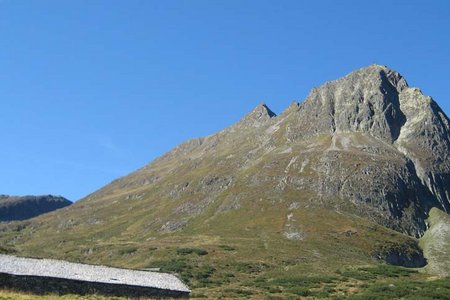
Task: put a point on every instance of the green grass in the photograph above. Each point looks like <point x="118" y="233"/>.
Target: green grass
<point x="257" y="259"/>
<point x="304" y="281"/>
<point x="170" y="266"/>
<point x="15" y="295"/>
<point x="369" y="273"/>
<point x="207" y="281"/>
<point x="236" y="292"/>
<point x="414" y="290"/>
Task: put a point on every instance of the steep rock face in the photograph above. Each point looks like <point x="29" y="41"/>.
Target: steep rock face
<point x="425" y="140"/>
<point x="363" y="101"/>
<point x="387" y="146"/>
<point x="13" y="208"/>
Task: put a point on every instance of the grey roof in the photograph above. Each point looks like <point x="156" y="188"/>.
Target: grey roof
<point x="61" y="269"/>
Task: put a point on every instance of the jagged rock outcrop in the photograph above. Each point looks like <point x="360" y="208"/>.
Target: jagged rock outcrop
<point x="14" y="208"/>
<point x="424" y="139"/>
<point x="366" y="101"/>
<point x="388" y="146"/>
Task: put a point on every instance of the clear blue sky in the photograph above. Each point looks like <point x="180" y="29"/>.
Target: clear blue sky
<point x="92" y="90"/>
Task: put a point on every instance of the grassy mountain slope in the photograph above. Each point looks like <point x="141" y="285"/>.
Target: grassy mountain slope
<point x="256" y="261"/>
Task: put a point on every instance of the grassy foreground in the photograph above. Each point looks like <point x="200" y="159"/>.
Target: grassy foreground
<point x="333" y="259"/>
<point x="379" y="282"/>
<point x="11" y="295"/>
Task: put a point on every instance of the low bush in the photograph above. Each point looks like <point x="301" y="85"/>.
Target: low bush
<point x="173" y="265"/>
<point x="187" y="251"/>
<point x="227" y="248"/>
<point x="370" y="273"/>
<point x="401" y="289"/>
<point x="238" y="292"/>
<point x="127" y="251"/>
<point x="303" y="281"/>
<point x="299" y="291"/>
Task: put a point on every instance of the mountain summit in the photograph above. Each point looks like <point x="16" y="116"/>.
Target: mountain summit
<point x="347" y="176"/>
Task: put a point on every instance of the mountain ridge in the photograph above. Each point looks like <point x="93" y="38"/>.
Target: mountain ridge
<point x="14" y="208"/>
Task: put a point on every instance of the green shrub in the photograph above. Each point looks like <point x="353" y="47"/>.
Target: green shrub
<point x="370" y="273"/>
<point x="173" y="265"/>
<point x="389" y="271"/>
<point x="299" y="291"/>
<point x="195" y="295"/>
<point x="401" y="289"/>
<point x="273" y="290"/>
<point x="250" y="267"/>
<point x="5" y="250"/>
<point x="187" y="251"/>
<point x="204" y="273"/>
<point x="358" y="275"/>
<point x="303" y="281"/>
<point x="227" y="248"/>
<point x="238" y="292"/>
<point x="323" y="293"/>
<point x="127" y="250"/>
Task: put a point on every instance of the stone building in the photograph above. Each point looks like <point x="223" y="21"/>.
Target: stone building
<point x="44" y="276"/>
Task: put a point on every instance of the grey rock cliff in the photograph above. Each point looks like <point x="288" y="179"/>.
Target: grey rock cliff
<point x="366" y="100"/>
<point x="388" y="145"/>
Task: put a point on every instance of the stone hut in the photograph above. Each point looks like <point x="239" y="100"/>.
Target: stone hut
<point x="44" y="276"/>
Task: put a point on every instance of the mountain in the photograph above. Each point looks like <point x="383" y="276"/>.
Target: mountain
<point x="366" y="144"/>
<point x="345" y="179"/>
<point x="13" y="208"/>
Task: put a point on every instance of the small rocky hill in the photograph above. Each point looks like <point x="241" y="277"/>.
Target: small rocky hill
<point x="14" y="208"/>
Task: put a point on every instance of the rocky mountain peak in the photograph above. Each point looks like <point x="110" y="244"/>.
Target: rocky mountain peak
<point x="366" y="100"/>
<point x="257" y="117"/>
<point x="261" y="111"/>
<point x="294" y="106"/>
<point x="381" y="73"/>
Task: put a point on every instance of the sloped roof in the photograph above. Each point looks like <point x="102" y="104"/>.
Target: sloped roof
<point x="21" y="266"/>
